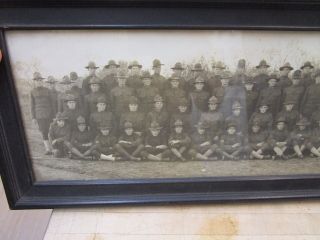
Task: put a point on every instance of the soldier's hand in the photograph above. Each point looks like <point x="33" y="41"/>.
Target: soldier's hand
<point x="161" y="147"/>
<point x="236" y="145"/>
<point x="205" y="144"/>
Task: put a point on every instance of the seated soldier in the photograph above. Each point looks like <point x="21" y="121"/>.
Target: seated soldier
<point x="257" y="142"/>
<point x="301" y="137"/>
<point x="314" y="143"/>
<point x="59" y="134"/>
<point x="72" y="111"/>
<point x="290" y="114"/>
<point x="183" y="114"/>
<point x="134" y="116"/>
<point x="238" y="117"/>
<point x="179" y="141"/>
<point x="173" y="94"/>
<point x="156" y="147"/>
<point x="81" y="143"/>
<point x="158" y="114"/>
<point x="104" y="144"/>
<point x="263" y="116"/>
<point x="130" y="144"/>
<point x="231" y="145"/>
<point x="279" y="139"/>
<point x="101" y="116"/>
<point x="201" y="147"/>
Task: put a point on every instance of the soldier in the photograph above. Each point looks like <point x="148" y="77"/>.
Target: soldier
<point x="134" y="80"/>
<point x="69" y="89"/>
<point x="314" y="143"/>
<point x="178" y="71"/>
<point x="155" y="144"/>
<point x="307" y="79"/>
<point x="91" y="100"/>
<point x="311" y="98"/>
<point x="197" y="72"/>
<point x="261" y="79"/>
<point x="120" y="95"/>
<point x="42" y="109"/>
<point x="147" y="92"/>
<point x="158" y="81"/>
<point x="72" y="112"/>
<point x="110" y="80"/>
<point x="104" y="144"/>
<point x="290" y="114"/>
<point x="240" y="74"/>
<point x="59" y="135"/>
<point x="199" y="98"/>
<point x="158" y="114"/>
<point x="201" y="147"/>
<point x="251" y="96"/>
<point x="102" y="116"/>
<point x="231" y="145"/>
<point x="183" y="114"/>
<point x="130" y="144"/>
<point x="294" y="93"/>
<point x="76" y="79"/>
<point x="238" y="117"/>
<point x="134" y="116"/>
<point x="214" y="119"/>
<point x="92" y="68"/>
<point x="271" y="95"/>
<point x="263" y="116"/>
<point x="214" y="81"/>
<point x="179" y="141"/>
<point x="81" y="144"/>
<point x="279" y="139"/>
<point x="301" y="137"/>
<point x="258" y="142"/>
<point x="51" y="83"/>
<point x="174" y="94"/>
<point x="284" y="80"/>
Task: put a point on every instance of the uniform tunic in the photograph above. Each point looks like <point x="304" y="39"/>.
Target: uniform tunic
<point x="251" y="102"/>
<point x="225" y="97"/>
<point x="136" y="118"/>
<point x="265" y="120"/>
<point x="199" y="100"/>
<point x="72" y="115"/>
<point x="186" y="119"/>
<point x="315" y="138"/>
<point x="120" y="99"/>
<point x="54" y="98"/>
<point x="151" y="142"/>
<point x="256" y="138"/>
<point x="215" y="120"/>
<point x="240" y="122"/>
<point x="146" y="95"/>
<point x="197" y="140"/>
<point x="109" y="82"/>
<point x="104" y="117"/>
<point x="172" y="97"/>
<point x="104" y="144"/>
<point x="228" y="140"/>
<point x="260" y="81"/>
<point x="279" y="136"/>
<point x="284" y="82"/>
<point x="60" y="134"/>
<point x="134" y="81"/>
<point x="307" y="80"/>
<point x="293" y="93"/>
<point x="159" y="82"/>
<point x="271" y="96"/>
<point x="184" y="139"/>
<point x="161" y="117"/>
<point x="82" y="141"/>
<point x="291" y="117"/>
<point x="86" y="85"/>
<point x="311" y="100"/>
<point x="300" y="137"/>
<point x="134" y="139"/>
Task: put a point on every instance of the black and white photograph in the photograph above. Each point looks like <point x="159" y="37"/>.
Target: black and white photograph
<point x="132" y="104"/>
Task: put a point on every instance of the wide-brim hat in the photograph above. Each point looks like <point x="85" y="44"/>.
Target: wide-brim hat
<point x="231" y="124"/>
<point x="104" y="126"/>
<point x="146" y="74"/>
<point x="178" y="66"/>
<point x="273" y="76"/>
<point x="225" y="75"/>
<point x="134" y="64"/>
<point x="236" y="105"/>
<point x="101" y="99"/>
<point x="286" y="65"/>
<point x="199" y="80"/>
<point x="219" y="65"/>
<point x="263" y="63"/>
<point x="111" y="63"/>
<point x="203" y="125"/>
<point x="297" y="74"/>
<point x="155" y="126"/>
<point x="281" y="119"/>
<point x="61" y="116"/>
<point x="37" y="76"/>
<point x="213" y="99"/>
<point x="174" y="77"/>
<point x="156" y="63"/>
<point x="158" y="98"/>
<point x="91" y="65"/>
<point x="197" y="68"/>
<point x="69" y="97"/>
<point x="289" y="101"/>
<point x="81" y="120"/>
<point x="307" y="64"/>
<point x="128" y="125"/>
<point x="73" y="76"/>
<point x="303" y="122"/>
<point x="66" y="80"/>
<point x="51" y="80"/>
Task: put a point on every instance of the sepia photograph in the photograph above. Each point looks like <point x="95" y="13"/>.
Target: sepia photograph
<point x="133" y="104"/>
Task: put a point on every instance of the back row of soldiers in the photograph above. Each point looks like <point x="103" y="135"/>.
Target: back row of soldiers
<point x="143" y="102"/>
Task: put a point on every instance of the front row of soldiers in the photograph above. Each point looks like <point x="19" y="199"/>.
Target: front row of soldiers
<point x="211" y="138"/>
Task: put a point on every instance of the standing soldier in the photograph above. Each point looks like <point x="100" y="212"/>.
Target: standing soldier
<point x="183" y="114"/>
<point x="76" y="79"/>
<point x="92" y="68"/>
<point x="179" y="141"/>
<point x="76" y="87"/>
<point x="42" y="109"/>
<point x="134" y="80"/>
<point x="197" y="72"/>
<point x="147" y="92"/>
<point x="174" y="94"/>
<point x="120" y="95"/>
<point x="240" y="74"/>
<point x="271" y="95"/>
<point x="110" y="80"/>
<point x="261" y="79"/>
<point x="290" y="114"/>
<point x="69" y="89"/>
<point x="263" y="116"/>
<point x="251" y="97"/>
<point x="158" y="81"/>
<point x="311" y="98"/>
<point x="72" y="111"/>
<point x="51" y="83"/>
<point x="158" y="114"/>
<point x="301" y="137"/>
<point x="178" y="71"/>
<point x="307" y="79"/>
<point x="294" y="93"/>
<point x="214" y="81"/>
<point x="134" y="116"/>
<point x="284" y="80"/>
<point x="59" y="135"/>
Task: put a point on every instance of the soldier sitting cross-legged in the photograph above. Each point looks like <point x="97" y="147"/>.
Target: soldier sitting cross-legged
<point x="301" y="137"/>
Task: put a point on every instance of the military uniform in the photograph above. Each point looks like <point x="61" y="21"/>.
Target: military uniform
<point x="261" y="79"/>
<point x="284" y="80"/>
<point x="265" y="119"/>
<point x="109" y="81"/>
<point x="311" y="98"/>
<point x="291" y="117"/>
<point x="54" y="93"/>
<point x="300" y="138"/>
<point x="72" y="114"/>
<point x="179" y="143"/>
<point x="279" y="140"/>
<point x="307" y="79"/>
<point x="199" y="98"/>
<point x="158" y="81"/>
<point x="251" y="98"/>
<point x="99" y="118"/>
<point x="136" y="118"/>
<point x="134" y="81"/>
<point x="258" y="140"/>
<point x="74" y="91"/>
<point x="239" y="120"/>
<point x="86" y="81"/>
<point x="294" y="93"/>
<point x="103" y="148"/>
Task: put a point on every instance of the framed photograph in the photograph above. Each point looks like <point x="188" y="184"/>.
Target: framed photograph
<point x="140" y="102"/>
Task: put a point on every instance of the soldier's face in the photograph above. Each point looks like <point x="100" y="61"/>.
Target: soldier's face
<point x="51" y="85"/>
<point x="147" y="81"/>
<point x="60" y="123"/>
<point x="255" y="128"/>
<point x="241" y="70"/>
<point x="213" y="106"/>
<point x="218" y="70"/>
<point x="129" y="131"/>
<point x="38" y="83"/>
<point x="82" y="127"/>
<point x="101" y="107"/>
<point x="272" y="82"/>
<point x="122" y="81"/>
<point x="105" y="131"/>
<point x="157" y="70"/>
<point x="158" y="105"/>
<point x="201" y="130"/>
<point x="174" y="83"/>
<point x="71" y="104"/>
<point x="295" y="81"/>
<point x="307" y="70"/>
<point x="289" y="107"/>
<point x="231" y="130"/>
<point x="263" y="109"/>
<point x="133" y="107"/>
<point x="177" y="71"/>
<point x="113" y="69"/>
<point x="155" y="132"/>
<point x="178" y="129"/>
<point x="263" y="70"/>
<point x="236" y="112"/>
<point x="224" y="82"/>
<point x="285" y="72"/>
<point x="196" y="73"/>
<point x="135" y="70"/>
<point x="199" y="86"/>
<point x="182" y="109"/>
<point x="249" y="87"/>
<point x="280" y="125"/>
<point x="67" y="87"/>
<point x="92" y="71"/>
<point x="94" y="87"/>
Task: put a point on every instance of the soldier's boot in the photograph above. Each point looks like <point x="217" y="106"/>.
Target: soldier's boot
<point x="48" y="147"/>
<point x="298" y="151"/>
<point x="315" y="151"/>
<point x="77" y="153"/>
<point x="107" y="157"/>
<point x="256" y="155"/>
<point x="123" y="152"/>
<point x="153" y="157"/>
<point x="199" y="156"/>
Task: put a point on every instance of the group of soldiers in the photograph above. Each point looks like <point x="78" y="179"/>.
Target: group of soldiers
<point x="131" y="114"/>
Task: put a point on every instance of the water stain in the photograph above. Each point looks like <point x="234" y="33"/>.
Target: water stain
<point x="222" y="227"/>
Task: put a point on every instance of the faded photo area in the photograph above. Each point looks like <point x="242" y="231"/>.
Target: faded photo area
<point x="124" y="104"/>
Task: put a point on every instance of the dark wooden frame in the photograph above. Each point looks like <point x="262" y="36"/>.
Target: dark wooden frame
<point x="21" y="189"/>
